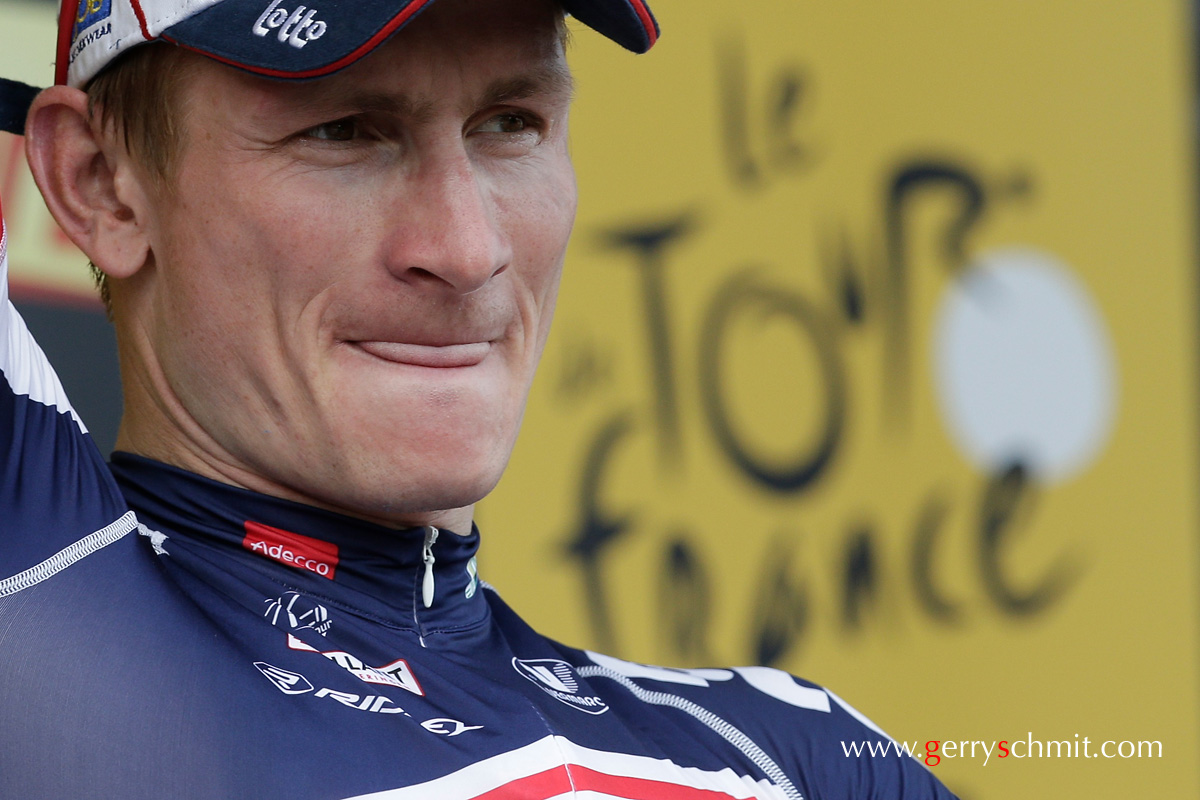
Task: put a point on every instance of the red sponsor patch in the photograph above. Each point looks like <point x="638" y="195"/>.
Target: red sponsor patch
<point x="301" y="552"/>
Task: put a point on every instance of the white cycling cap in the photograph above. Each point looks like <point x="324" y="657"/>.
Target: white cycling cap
<point x="280" y="38"/>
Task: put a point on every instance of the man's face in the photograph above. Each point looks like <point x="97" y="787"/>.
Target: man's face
<point x="353" y="277"/>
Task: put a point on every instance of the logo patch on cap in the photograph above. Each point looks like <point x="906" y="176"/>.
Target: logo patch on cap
<point x="89" y="13"/>
<point x="301" y="552"/>
<point x="297" y="28"/>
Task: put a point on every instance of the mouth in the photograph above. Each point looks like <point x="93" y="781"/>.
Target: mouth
<point x="447" y="356"/>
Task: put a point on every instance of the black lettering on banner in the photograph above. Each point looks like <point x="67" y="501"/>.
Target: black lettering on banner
<point x="685" y="601"/>
<point x="746" y="295"/>
<point x="596" y="529"/>
<point x="926" y="535"/>
<point x="787" y="97"/>
<point x="860" y="577"/>
<point x="1006" y="504"/>
<point x="744" y="121"/>
<point x="843" y="272"/>
<point x="870" y="289"/>
<point x="910" y="182"/>
<point x="781" y="608"/>
<point x="586" y="367"/>
<point x="648" y="243"/>
<point x="734" y="114"/>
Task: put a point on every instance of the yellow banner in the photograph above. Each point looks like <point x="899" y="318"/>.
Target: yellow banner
<point x="875" y="361"/>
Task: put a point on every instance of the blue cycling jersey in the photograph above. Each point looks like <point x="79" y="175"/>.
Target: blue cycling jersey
<point x="164" y="635"/>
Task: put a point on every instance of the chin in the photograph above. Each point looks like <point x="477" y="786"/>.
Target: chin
<point x="455" y="489"/>
<point x="418" y="484"/>
<point x="396" y="457"/>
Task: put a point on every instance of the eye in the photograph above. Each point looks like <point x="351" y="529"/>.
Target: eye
<point x="340" y="130"/>
<point x="506" y="123"/>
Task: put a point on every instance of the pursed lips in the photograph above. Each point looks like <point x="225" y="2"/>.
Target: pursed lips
<point x="446" y="356"/>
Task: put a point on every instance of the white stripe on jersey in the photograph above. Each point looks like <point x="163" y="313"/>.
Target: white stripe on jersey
<point x="69" y="555"/>
<point x="22" y="361"/>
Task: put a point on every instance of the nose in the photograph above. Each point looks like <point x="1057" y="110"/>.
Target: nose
<point x="447" y="227"/>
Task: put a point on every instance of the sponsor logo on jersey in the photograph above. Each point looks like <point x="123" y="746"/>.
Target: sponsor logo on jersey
<point x="557" y="679"/>
<point x="297" y="28"/>
<point x="301" y="552"/>
<point x="375" y="703"/>
<point x="284" y="680"/>
<point x="294" y="683"/>
<point x="299" y="613"/>
<point x="397" y="673"/>
<point x="444" y="726"/>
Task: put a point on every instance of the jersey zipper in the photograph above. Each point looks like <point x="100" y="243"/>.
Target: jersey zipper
<point x="431" y="535"/>
<point x="427" y="586"/>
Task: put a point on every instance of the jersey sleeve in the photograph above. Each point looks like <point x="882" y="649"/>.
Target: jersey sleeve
<point x="873" y="764"/>
<point x="805" y="739"/>
<point x="58" y="500"/>
<point x="831" y="749"/>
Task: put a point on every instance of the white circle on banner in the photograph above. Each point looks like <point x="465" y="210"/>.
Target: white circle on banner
<point x="1024" y="366"/>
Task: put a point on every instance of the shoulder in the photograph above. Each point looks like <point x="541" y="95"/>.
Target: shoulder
<point x="820" y="742"/>
<point x="57" y="498"/>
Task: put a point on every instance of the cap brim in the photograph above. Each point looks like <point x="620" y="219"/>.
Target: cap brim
<point x="629" y="23"/>
<point x="311" y="42"/>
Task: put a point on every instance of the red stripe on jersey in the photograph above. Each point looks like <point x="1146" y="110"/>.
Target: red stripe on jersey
<point x="585" y="779"/>
<point x="539" y="786"/>
<point x="560" y="780"/>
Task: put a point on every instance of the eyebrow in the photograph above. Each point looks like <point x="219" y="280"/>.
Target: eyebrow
<point x="545" y="81"/>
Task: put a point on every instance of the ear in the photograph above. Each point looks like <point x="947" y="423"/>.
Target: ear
<point x="90" y="184"/>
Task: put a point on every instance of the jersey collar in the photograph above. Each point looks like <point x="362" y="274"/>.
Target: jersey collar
<point x="378" y="571"/>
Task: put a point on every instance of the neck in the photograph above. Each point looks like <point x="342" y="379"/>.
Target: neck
<point x="139" y="440"/>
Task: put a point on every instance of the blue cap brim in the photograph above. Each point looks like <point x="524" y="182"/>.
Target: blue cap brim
<point x="319" y="42"/>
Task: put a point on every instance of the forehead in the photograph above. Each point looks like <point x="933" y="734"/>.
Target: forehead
<point x="505" y="47"/>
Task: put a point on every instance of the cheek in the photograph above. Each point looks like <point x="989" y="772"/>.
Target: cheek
<point x="540" y="227"/>
<point x="243" y="247"/>
<point x="233" y="286"/>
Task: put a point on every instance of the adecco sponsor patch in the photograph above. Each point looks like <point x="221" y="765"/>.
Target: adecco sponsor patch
<point x="301" y="552"/>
